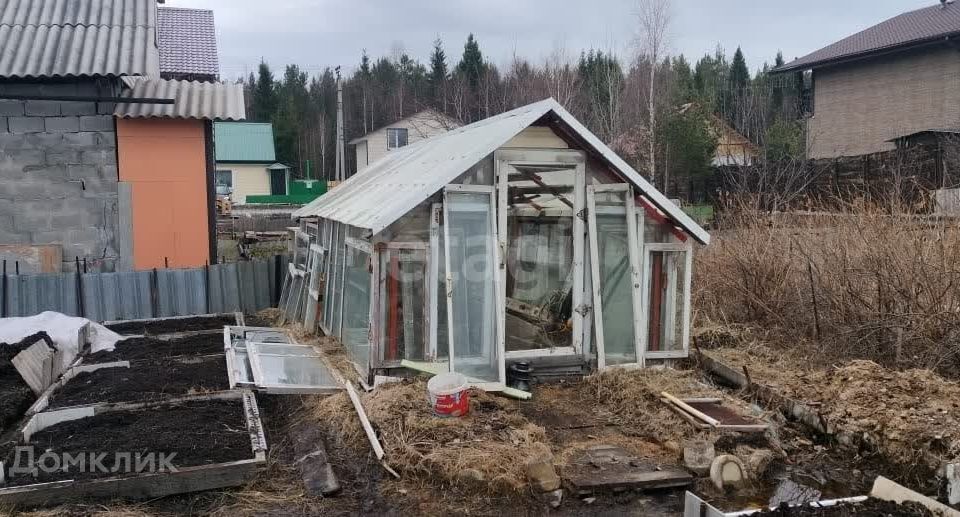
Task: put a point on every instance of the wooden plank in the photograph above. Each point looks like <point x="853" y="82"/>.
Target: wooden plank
<point x="690" y="409"/>
<point x="365" y="422"/>
<point x="686" y="416"/>
<point x="33" y="364"/>
<point x="608" y="467"/>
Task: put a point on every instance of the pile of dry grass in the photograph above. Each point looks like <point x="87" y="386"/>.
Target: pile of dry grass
<point x="632" y="398"/>
<point x="485" y="451"/>
<point x="864" y="283"/>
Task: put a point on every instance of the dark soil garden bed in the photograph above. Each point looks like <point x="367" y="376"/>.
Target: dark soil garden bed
<point x="145" y="381"/>
<point x="145" y="348"/>
<point x="169" y="326"/>
<point x="15" y="395"/>
<point x="869" y="508"/>
<point x="199" y="433"/>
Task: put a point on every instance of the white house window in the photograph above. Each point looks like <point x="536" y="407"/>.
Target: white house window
<point x="396" y="137"/>
<point x="224" y="183"/>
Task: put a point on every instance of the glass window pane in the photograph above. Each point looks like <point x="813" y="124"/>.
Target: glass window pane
<point x="667" y="271"/>
<point x="472" y="268"/>
<point x="616" y="288"/>
<point x="356" y="306"/>
<point x="241" y="366"/>
<point x="443" y="333"/>
<point x="403" y="304"/>
<point x="335" y="312"/>
<point x="299" y="371"/>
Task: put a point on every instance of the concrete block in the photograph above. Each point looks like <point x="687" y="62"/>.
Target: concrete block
<point x="63" y="157"/>
<point x="698" y="455"/>
<point x="107" y="140"/>
<point x="78" y="108"/>
<point x="12" y="141"/>
<point x="106" y="108"/>
<point x="21" y="125"/>
<point x="61" y="124"/>
<point x="81" y="139"/>
<point x="42" y="108"/>
<point x="45" y="140"/>
<point x="96" y="123"/>
<point x="84" y="172"/>
<point x="543" y="476"/>
<point x="11" y="108"/>
<point x="10" y="237"/>
<point x="110" y="172"/>
<point x="54" y="173"/>
<point x="16" y="161"/>
<point x="100" y="188"/>
<point x="101" y="157"/>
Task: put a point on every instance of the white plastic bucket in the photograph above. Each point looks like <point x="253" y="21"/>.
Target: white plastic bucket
<point x="448" y="394"/>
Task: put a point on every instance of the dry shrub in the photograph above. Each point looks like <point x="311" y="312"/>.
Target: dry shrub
<point x="484" y="451"/>
<point x="862" y="283"/>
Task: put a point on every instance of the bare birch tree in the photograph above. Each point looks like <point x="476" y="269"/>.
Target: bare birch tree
<point x="653" y="18"/>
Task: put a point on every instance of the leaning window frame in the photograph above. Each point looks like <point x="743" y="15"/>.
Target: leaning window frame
<point x="635" y="254"/>
<point x="499" y="313"/>
<point x="373" y="330"/>
<point x="504" y="161"/>
<point x="687" y="249"/>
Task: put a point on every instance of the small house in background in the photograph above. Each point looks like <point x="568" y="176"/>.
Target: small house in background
<point x="421" y="125"/>
<point x="107" y="150"/>
<point x="733" y="149"/>
<point x="248" y="172"/>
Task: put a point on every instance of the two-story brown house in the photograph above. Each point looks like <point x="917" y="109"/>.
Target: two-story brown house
<point x="899" y="77"/>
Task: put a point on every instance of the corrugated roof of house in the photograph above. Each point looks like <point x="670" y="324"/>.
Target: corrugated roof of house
<point x="907" y="29"/>
<point x="71" y="38"/>
<point x="244" y="142"/>
<point x="193" y="99"/>
<point x="395" y="184"/>
<point x="188" y="41"/>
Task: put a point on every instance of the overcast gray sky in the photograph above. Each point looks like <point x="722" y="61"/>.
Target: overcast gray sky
<point x="319" y="33"/>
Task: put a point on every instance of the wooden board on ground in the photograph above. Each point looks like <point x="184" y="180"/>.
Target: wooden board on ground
<point x="607" y="467"/>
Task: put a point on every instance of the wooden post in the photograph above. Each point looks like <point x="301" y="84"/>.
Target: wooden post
<point x="813" y="294"/>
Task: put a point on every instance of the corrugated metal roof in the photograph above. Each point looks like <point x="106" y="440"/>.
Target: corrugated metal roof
<point x="244" y="142"/>
<point x="199" y="100"/>
<point x="188" y="41"/>
<point x="909" y="28"/>
<point x="395" y="184"/>
<point x="62" y="38"/>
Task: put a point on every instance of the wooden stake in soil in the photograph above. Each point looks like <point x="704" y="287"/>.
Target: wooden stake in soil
<point x="368" y="429"/>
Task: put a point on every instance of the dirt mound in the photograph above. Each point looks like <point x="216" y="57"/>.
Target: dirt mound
<point x="483" y="451"/>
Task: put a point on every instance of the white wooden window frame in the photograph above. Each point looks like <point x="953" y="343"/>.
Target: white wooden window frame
<point x="314" y="275"/>
<point x="506" y="161"/>
<point x="499" y="314"/>
<point x="373" y="266"/>
<point x="687" y="250"/>
<point x="254" y="354"/>
<point x="380" y="315"/>
<point x="635" y="272"/>
<point x="433" y="279"/>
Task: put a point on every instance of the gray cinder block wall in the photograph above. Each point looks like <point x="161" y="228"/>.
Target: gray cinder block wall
<point x="58" y="172"/>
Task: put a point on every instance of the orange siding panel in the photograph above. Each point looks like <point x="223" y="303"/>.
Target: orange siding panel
<point x="164" y="161"/>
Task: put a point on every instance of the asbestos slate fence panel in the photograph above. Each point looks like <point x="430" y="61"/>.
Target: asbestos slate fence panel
<point x="223" y="288"/>
<point x="117" y="296"/>
<point x="181" y="292"/>
<point x="35" y="293"/>
<point x="244" y="286"/>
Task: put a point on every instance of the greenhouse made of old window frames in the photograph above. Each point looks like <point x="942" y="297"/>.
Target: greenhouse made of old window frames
<point x="521" y="237"/>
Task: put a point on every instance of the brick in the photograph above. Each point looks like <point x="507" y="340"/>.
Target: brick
<point x="78" y="108"/>
<point x="96" y="123"/>
<point x="42" y="108"/>
<point x="101" y="157"/>
<point x="21" y="125"/>
<point x="11" y="108"/>
<point x="64" y="157"/>
<point x="62" y="124"/>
